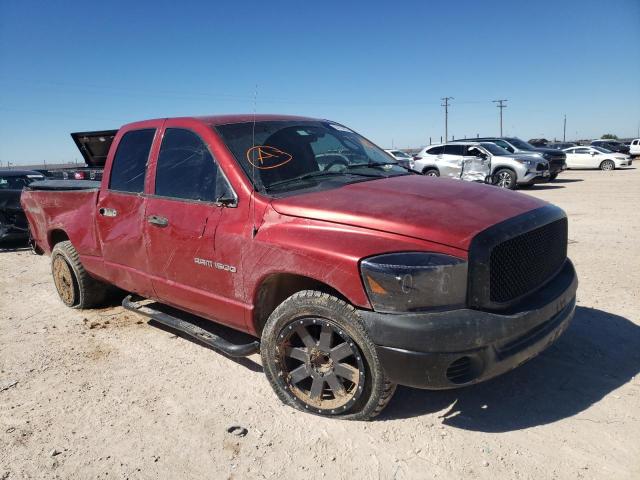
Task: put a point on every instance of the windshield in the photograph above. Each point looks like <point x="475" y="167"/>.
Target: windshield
<point x="601" y="150"/>
<point x="281" y="156"/>
<point x="494" y="149"/>
<point x="398" y="153"/>
<point x="520" y="144"/>
<point x="17" y="183"/>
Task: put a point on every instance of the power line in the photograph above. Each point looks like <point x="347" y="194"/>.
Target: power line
<point x="446" y="116"/>
<point x="500" y="105"/>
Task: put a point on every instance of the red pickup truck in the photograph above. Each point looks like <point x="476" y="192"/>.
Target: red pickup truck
<point x="354" y="273"/>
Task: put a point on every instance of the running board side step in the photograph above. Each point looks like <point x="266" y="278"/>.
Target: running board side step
<point x="200" y="334"/>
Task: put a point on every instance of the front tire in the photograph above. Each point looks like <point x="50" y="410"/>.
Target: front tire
<point x="76" y="288"/>
<point x="607" y="165"/>
<point x="318" y="358"/>
<point x="505" y="178"/>
<point x="431" y="172"/>
<point x="553" y="176"/>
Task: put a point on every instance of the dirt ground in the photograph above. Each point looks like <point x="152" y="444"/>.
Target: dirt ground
<point x="103" y="394"/>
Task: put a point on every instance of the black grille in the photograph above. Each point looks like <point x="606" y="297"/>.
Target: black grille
<point x="524" y="263"/>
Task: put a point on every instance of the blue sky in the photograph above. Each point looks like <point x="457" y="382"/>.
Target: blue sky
<point x="379" y="67"/>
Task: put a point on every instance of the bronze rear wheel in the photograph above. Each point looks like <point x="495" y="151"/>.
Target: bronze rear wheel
<point x="64" y="280"/>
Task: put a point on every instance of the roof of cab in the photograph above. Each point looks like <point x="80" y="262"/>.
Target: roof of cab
<point x="250" y="117"/>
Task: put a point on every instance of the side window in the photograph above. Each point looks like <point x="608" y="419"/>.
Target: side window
<point x="130" y="162"/>
<point x="504" y="145"/>
<point x="186" y="169"/>
<point x="582" y="150"/>
<point x="457" y="150"/>
<point x="436" y="150"/>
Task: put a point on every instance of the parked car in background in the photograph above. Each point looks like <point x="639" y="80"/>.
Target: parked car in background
<point x="555" y="158"/>
<point x="404" y="159"/>
<point x="13" y="222"/>
<point x="505" y="169"/>
<point x="634" y="148"/>
<point x="612" y="145"/>
<point x="595" y="157"/>
<point x="539" y="142"/>
<point x="561" y="145"/>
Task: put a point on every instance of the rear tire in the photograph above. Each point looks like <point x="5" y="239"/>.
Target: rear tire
<point x="607" y="165"/>
<point x="318" y="358"/>
<point x="76" y="288"/>
<point x="431" y="172"/>
<point x="505" y="178"/>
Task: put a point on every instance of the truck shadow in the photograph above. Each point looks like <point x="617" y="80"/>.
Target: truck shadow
<point x="597" y="354"/>
<point x="227" y="333"/>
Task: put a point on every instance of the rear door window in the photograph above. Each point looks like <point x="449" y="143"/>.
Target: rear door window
<point x="457" y="150"/>
<point x="435" y="150"/>
<point x="187" y="170"/>
<point x="130" y="162"/>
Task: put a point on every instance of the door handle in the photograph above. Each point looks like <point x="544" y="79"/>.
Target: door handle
<point x="158" y="220"/>
<point x="108" y="212"/>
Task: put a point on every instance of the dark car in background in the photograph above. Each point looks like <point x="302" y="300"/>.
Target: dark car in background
<point x="13" y="223"/>
<point x="561" y="145"/>
<point x="613" y="145"/>
<point x="556" y="159"/>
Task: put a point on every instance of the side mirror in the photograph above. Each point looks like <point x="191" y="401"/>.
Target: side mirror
<point x="226" y="200"/>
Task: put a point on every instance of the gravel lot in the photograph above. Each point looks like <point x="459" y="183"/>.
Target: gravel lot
<point x="103" y="394"/>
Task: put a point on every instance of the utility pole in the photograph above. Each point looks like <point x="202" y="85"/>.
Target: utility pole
<point x="500" y="105"/>
<point x="564" y="129"/>
<point x="446" y="117"/>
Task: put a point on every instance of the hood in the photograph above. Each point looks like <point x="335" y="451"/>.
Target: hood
<point x="524" y="156"/>
<point x="550" y="151"/>
<point x="94" y="146"/>
<point x="449" y="212"/>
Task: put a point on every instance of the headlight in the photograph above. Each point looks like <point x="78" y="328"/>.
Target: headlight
<point x="414" y="281"/>
<point x="529" y="163"/>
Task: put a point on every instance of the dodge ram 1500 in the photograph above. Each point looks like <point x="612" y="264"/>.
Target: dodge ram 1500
<point x="353" y="273"/>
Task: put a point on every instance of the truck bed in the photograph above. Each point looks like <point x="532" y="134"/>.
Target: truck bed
<point x="64" y="185"/>
<point x="67" y="206"/>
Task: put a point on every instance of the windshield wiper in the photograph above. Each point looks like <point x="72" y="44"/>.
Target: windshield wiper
<point x="320" y="173"/>
<point x="379" y="165"/>
<point x="371" y="165"/>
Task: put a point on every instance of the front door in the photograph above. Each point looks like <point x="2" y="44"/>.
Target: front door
<point x="120" y="213"/>
<point x="582" y="158"/>
<point x="182" y="218"/>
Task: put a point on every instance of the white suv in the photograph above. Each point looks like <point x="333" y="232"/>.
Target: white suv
<point x="505" y="169"/>
<point x="634" y="148"/>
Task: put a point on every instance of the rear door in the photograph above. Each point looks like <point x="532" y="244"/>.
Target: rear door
<point x="451" y="161"/>
<point x="181" y="222"/>
<point x="121" y="207"/>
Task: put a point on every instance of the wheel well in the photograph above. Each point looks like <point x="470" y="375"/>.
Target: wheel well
<point x="57" y="236"/>
<point x="607" y="160"/>
<point x="276" y="288"/>
<point x="426" y="169"/>
<point x="497" y="169"/>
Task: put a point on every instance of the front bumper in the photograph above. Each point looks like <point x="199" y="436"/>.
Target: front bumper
<point x="532" y="178"/>
<point x="440" y="350"/>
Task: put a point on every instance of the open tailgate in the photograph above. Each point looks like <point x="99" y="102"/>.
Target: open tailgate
<point x="94" y="146"/>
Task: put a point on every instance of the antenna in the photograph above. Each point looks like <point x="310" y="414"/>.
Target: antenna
<point x="254" y="228"/>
